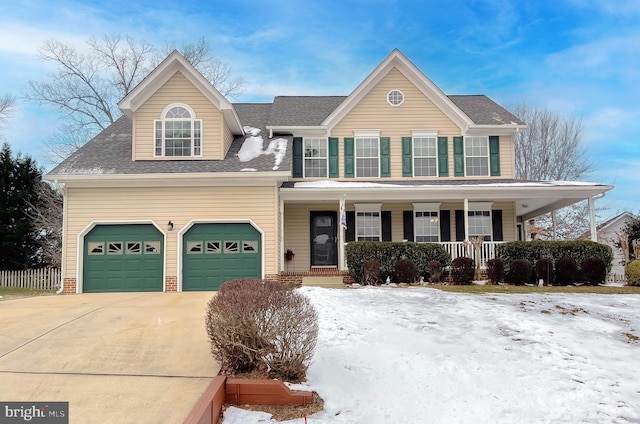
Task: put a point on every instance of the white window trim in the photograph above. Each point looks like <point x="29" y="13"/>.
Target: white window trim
<point x="304" y="158"/>
<point x="163" y="119"/>
<point x="423" y="134"/>
<point x="488" y="156"/>
<point x="369" y="207"/>
<point x="426" y="207"/>
<point x="389" y="94"/>
<point x="482" y="207"/>
<point x="364" y="134"/>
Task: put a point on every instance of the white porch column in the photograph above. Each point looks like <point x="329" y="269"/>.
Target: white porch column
<point x="592" y="219"/>
<point x="466" y="219"/>
<point x="281" y="236"/>
<point x="553" y="224"/>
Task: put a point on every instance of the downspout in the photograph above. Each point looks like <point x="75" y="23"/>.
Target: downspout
<point x="592" y="219"/>
<point x="62" y="191"/>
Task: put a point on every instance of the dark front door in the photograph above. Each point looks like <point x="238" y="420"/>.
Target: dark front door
<point x="324" y="232"/>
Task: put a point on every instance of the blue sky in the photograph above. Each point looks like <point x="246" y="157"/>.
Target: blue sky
<point x="574" y="56"/>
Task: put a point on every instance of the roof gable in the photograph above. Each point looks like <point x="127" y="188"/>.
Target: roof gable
<point x="400" y="62"/>
<point x="173" y="63"/>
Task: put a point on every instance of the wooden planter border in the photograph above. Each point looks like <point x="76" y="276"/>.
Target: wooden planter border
<point x="240" y="391"/>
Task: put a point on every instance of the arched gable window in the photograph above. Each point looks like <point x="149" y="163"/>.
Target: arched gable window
<point x="178" y="133"/>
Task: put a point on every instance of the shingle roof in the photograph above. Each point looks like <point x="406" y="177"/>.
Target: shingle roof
<point x="110" y="153"/>
<point x="484" y="111"/>
<point x="302" y="110"/>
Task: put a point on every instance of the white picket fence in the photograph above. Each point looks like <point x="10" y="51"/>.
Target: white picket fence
<point x="616" y="279"/>
<point x="41" y="279"/>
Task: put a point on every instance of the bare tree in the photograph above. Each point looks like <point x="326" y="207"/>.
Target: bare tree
<point x="551" y="148"/>
<point x="87" y="85"/>
<point x="7" y="103"/>
<point x="46" y="215"/>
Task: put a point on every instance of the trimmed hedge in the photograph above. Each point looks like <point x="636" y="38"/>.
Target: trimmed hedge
<point x="567" y="271"/>
<point x="594" y="271"/>
<point x="544" y="270"/>
<point x="462" y="270"/>
<point x="520" y="272"/>
<point x="579" y="250"/>
<point x="632" y="272"/>
<point x="495" y="270"/>
<point x="388" y="253"/>
<point x="405" y="271"/>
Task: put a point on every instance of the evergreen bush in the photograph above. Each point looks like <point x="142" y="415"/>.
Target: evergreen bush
<point x="519" y="273"/>
<point x="567" y="271"/>
<point x="462" y="270"/>
<point x="495" y="270"/>
<point x="632" y="273"/>
<point x="435" y="272"/>
<point x="388" y="253"/>
<point x="405" y="271"/>
<point x="594" y="270"/>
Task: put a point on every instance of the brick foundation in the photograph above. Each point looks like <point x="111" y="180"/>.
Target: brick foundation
<point x="296" y="277"/>
<point x="171" y="284"/>
<point x="70" y="285"/>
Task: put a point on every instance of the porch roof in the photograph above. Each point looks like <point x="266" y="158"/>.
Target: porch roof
<point x="532" y="198"/>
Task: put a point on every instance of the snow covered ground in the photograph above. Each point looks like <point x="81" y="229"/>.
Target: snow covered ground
<point x="420" y="355"/>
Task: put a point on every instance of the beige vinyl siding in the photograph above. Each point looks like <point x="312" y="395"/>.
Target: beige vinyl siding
<point x="506" y="157"/>
<point x="178" y="204"/>
<point x="228" y="139"/>
<point x="375" y="113"/>
<point x="297" y="221"/>
<point x="178" y="89"/>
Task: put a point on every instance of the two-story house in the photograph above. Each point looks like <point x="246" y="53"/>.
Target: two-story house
<point x="187" y="190"/>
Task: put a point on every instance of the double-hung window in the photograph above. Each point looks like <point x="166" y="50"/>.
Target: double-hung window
<point x="425" y="154"/>
<point x="476" y="151"/>
<point x="315" y="157"/>
<point x="426" y="222"/>
<point x="368" y="222"/>
<point x="367" y="158"/>
<point x="480" y="220"/>
<point x="178" y="133"/>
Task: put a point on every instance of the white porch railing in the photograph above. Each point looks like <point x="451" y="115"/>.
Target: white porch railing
<point x="457" y="249"/>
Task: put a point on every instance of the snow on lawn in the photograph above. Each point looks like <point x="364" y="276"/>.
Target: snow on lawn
<point x="420" y="355"/>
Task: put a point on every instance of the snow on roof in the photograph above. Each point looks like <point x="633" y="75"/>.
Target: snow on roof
<point x="363" y="184"/>
<point x="252" y="147"/>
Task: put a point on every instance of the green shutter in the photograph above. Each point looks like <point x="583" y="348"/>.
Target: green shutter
<point x="350" y="232"/>
<point x="496" y="225"/>
<point x="333" y="157"/>
<point x="385" y="157"/>
<point x="407" y="157"/>
<point x="348" y="157"/>
<point x="297" y="157"/>
<point x="443" y="157"/>
<point x="494" y="155"/>
<point x="385" y="219"/>
<point x="407" y="225"/>
<point x="458" y="156"/>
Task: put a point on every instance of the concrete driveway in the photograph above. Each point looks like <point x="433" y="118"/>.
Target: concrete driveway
<point x="116" y="358"/>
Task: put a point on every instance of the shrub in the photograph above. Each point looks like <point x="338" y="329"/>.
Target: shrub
<point x="534" y="250"/>
<point x="371" y="271"/>
<point x="594" y="270"/>
<point x="566" y="271"/>
<point x="405" y="271"/>
<point x="435" y="271"/>
<point x="495" y="269"/>
<point x="520" y="272"/>
<point x="632" y="273"/>
<point x="388" y="253"/>
<point x="462" y="270"/>
<point x="257" y="324"/>
<point x="544" y="270"/>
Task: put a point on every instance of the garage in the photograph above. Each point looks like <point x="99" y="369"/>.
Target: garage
<point x="123" y="258"/>
<point x="216" y="253"/>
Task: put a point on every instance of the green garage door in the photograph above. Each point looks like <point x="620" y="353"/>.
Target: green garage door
<point x="216" y="253"/>
<point x="123" y="258"/>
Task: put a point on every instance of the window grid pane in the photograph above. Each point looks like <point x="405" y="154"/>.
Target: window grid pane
<point x="368" y="226"/>
<point x="425" y="154"/>
<point x="427" y="226"/>
<point x="367" y="156"/>
<point x="480" y="224"/>
<point x="315" y="157"/>
<point x="476" y="155"/>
